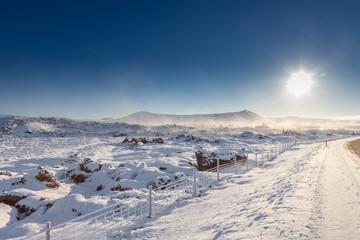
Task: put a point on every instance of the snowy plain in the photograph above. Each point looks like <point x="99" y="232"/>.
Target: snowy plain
<point x="275" y="200"/>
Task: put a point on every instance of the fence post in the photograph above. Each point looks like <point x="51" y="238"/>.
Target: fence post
<point x="150" y="201"/>
<point x="262" y="159"/>
<point x="48" y="227"/>
<point x="256" y="159"/>
<point x="194" y="173"/>
<point x="218" y="169"/>
<point x="271" y="153"/>
<point x="235" y="166"/>
<point x="247" y="162"/>
<point x="96" y="225"/>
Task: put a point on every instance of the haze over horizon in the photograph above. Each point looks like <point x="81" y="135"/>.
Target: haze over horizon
<point x="92" y="60"/>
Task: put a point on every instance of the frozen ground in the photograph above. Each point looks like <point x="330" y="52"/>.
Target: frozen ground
<point x="57" y="169"/>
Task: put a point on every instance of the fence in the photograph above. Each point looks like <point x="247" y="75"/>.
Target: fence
<point x="113" y="221"/>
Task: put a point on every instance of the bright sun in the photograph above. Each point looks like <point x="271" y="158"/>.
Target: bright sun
<point x="299" y="83"/>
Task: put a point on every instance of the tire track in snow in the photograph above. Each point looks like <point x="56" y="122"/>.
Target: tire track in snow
<point x="337" y="205"/>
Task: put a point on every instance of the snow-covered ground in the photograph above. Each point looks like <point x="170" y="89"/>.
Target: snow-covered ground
<point x="307" y="192"/>
<point x="337" y="202"/>
<point x="57" y="170"/>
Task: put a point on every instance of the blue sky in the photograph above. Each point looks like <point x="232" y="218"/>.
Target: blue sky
<point x="96" y="59"/>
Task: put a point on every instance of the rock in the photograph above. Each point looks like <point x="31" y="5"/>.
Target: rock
<point x="73" y="158"/>
<point x="5" y="173"/>
<point x="53" y="185"/>
<point x="247" y="134"/>
<point x="158" y="140"/>
<point x="190" y="138"/>
<point x="179" y="175"/>
<point x="11" y="200"/>
<point x="207" y="161"/>
<point x="45" y="175"/>
<point x="90" y="167"/>
<point x="78" y="178"/>
<point x="135" y="141"/>
<point x="77" y="168"/>
<point x="24" y="210"/>
<point x="21" y="181"/>
<point x="120" y="188"/>
<point x="119" y="135"/>
<point x="162" y="181"/>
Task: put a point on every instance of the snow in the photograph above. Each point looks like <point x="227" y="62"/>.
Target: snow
<point x="337" y="205"/>
<point x="289" y="198"/>
<point x="94" y="168"/>
<point x="8" y="214"/>
<point x="271" y="202"/>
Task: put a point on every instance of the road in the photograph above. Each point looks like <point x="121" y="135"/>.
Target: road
<point x="337" y="205"/>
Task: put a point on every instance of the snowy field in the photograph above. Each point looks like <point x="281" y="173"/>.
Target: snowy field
<point x="58" y="170"/>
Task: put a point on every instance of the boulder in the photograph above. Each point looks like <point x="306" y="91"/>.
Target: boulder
<point x="45" y="175"/>
<point x="206" y="160"/>
<point x="161" y="181"/>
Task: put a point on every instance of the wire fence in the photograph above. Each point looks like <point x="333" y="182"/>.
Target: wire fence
<point x="113" y="221"/>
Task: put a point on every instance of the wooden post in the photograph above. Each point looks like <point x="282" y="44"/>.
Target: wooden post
<point x="218" y="169"/>
<point x="150" y="201"/>
<point x="256" y="159"/>
<point x="48" y="227"/>
<point x="235" y="166"/>
<point x="325" y="143"/>
<point x="194" y="191"/>
<point x="262" y="159"/>
<point x="247" y="162"/>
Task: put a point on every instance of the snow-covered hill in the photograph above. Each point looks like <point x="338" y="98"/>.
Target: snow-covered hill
<point x="244" y="118"/>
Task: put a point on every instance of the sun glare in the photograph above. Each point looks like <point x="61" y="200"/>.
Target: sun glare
<point x="299" y="83"/>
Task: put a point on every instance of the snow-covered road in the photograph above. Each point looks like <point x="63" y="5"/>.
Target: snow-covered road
<point x="337" y="202"/>
<point x="307" y="192"/>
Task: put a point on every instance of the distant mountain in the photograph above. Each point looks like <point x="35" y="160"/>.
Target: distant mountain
<point x="234" y="119"/>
